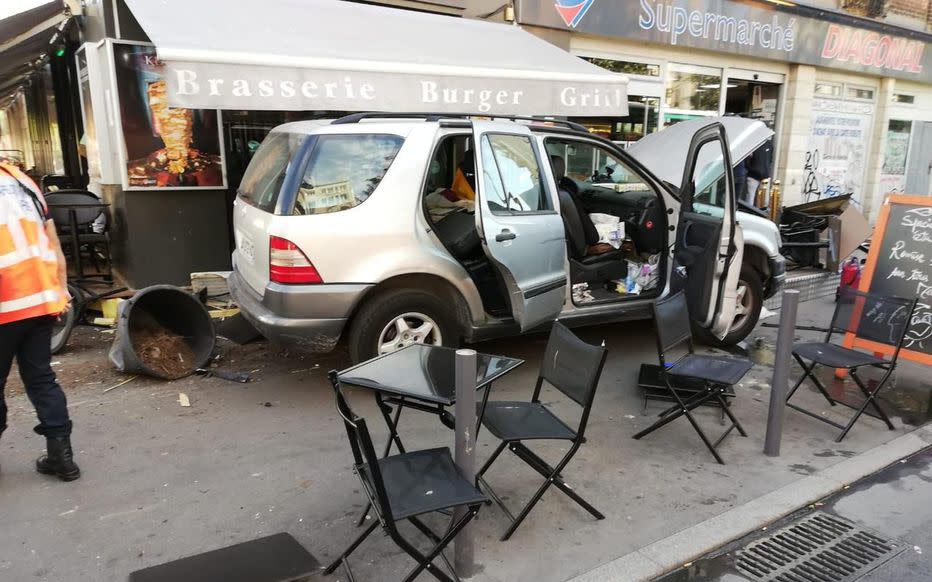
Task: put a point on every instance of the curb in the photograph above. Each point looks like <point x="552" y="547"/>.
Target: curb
<point x="693" y="542"/>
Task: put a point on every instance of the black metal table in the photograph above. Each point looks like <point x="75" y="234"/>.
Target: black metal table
<point x="421" y="377"/>
<point x="72" y="209"/>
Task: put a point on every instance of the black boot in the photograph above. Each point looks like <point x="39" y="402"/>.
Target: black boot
<point x="59" y="460"/>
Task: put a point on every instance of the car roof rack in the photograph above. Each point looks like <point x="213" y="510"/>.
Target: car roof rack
<point x="357" y="117"/>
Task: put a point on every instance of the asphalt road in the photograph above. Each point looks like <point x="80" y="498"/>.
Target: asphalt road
<point x="162" y="481"/>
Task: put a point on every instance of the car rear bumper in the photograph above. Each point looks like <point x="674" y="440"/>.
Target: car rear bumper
<point x="310" y="317"/>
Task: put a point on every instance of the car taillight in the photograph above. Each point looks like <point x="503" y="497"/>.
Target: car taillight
<point x="287" y="264"/>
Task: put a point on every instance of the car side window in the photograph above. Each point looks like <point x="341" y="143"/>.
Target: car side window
<point x="709" y="185"/>
<point x="344" y="170"/>
<point x="511" y="175"/>
<point x="591" y="164"/>
<point x="265" y="174"/>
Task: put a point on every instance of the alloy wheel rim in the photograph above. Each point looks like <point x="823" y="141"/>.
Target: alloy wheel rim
<point x="409" y="329"/>
<point x="742" y="305"/>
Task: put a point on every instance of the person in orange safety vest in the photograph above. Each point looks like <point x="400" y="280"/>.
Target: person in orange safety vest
<point x="33" y="292"/>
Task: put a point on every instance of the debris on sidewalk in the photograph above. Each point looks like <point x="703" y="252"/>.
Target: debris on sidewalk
<point x="314" y="367"/>
<point x="215" y="283"/>
<point x="183" y="400"/>
<point x="127" y="381"/>
<point x="240" y="377"/>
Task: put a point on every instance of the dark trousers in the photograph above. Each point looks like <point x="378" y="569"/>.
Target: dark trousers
<point x="29" y="341"/>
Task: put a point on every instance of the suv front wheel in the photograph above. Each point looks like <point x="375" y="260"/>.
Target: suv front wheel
<point x="399" y="318"/>
<point x="750" y="300"/>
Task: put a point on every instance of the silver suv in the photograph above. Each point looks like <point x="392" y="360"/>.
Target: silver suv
<point x="399" y="229"/>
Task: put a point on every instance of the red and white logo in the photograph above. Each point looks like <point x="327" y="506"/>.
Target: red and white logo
<point x="572" y="11"/>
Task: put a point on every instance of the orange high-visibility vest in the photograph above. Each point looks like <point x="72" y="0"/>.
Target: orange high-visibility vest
<point x="29" y="283"/>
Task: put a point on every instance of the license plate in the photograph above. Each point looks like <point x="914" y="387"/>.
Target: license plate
<point x="246" y="248"/>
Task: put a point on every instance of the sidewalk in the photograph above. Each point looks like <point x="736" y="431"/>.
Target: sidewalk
<point x="161" y="481"/>
<point x="893" y="502"/>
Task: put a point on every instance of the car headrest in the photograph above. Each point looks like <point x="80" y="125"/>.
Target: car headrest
<point x="468" y="162"/>
<point x="559" y="167"/>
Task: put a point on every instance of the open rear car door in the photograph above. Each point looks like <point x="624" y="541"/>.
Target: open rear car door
<point x="521" y="230"/>
<point x="709" y="243"/>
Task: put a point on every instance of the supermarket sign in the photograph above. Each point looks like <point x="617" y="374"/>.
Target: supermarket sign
<point x="749" y="28"/>
<point x="881" y="52"/>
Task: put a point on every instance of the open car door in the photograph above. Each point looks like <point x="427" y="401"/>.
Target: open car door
<point x="521" y="230"/>
<point x="709" y="243"/>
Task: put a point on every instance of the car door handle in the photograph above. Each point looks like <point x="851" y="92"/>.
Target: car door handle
<point x="505" y="235"/>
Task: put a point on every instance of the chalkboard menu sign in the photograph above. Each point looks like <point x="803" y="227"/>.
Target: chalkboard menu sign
<point x="900" y="264"/>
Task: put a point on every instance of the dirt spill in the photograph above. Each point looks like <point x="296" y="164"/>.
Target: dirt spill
<point x="164" y="352"/>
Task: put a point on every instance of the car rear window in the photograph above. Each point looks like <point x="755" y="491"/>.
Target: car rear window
<point x="263" y="178"/>
<point x="344" y="170"/>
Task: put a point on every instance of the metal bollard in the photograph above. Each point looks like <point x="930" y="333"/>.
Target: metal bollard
<point x="465" y="453"/>
<point x="781" y="368"/>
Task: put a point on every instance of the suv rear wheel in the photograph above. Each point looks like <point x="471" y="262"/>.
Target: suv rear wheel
<point x="399" y="318"/>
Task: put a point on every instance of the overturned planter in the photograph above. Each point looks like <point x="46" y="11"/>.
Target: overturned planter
<point x="163" y="332"/>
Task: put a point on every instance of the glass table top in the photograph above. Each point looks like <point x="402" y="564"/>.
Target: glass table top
<point x="424" y="372"/>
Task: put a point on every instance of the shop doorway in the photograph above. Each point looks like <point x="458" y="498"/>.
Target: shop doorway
<point x="919" y="173"/>
<point x="754" y="95"/>
<point x="753" y="99"/>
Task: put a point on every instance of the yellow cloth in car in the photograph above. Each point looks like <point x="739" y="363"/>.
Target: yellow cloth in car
<point x="461" y="186"/>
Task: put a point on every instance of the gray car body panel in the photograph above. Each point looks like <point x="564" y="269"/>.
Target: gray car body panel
<point x="313" y="332"/>
<point x="761" y="233"/>
<point x="387" y="237"/>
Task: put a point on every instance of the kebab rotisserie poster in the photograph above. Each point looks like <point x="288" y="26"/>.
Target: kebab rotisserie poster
<point x="166" y="147"/>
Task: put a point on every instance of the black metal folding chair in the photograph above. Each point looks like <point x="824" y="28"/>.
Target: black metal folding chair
<point x="573" y="367"/>
<point x="716" y="374"/>
<point x="880" y="319"/>
<point x="404" y="487"/>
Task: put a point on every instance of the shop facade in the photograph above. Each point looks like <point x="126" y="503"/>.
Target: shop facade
<point x="40" y="126"/>
<point x="174" y="109"/>
<point x="849" y="98"/>
<point x="162" y="116"/>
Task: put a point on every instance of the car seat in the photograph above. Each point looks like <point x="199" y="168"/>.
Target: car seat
<point x="584" y="268"/>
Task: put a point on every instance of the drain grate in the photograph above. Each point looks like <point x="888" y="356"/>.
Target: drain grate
<point x="818" y="548"/>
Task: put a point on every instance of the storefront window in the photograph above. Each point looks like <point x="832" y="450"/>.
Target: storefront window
<point x="626" y="67"/>
<point x="58" y="157"/>
<point x="692" y="92"/>
<point x="643" y="111"/>
<point x="642" y="119"/>
<point x="827" y="90"/>
<point x="859" y="93"/>
<point x="897" y="147"/>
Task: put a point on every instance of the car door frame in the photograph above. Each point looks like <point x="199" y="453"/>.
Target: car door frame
<point x="632" y="306"/>
<point x="722" y="296"/>
<point x="536" y="287"/>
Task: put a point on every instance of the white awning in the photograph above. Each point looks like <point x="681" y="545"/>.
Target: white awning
<point x="332" y="55"/>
